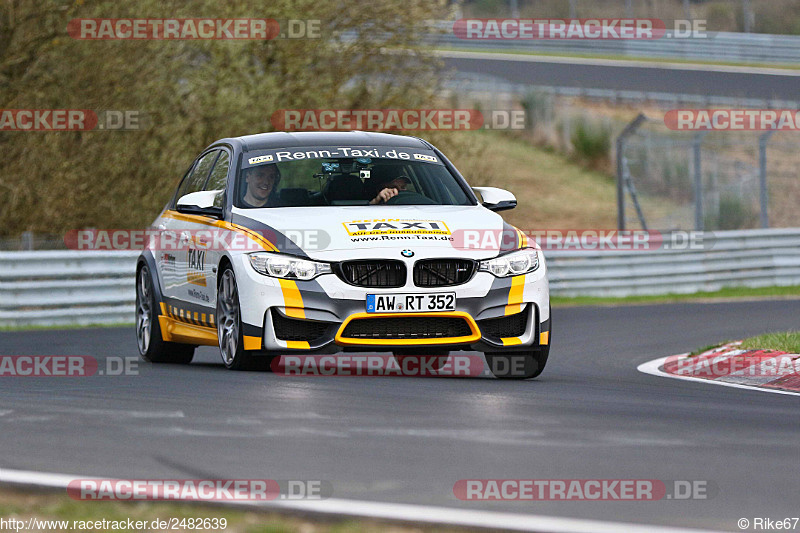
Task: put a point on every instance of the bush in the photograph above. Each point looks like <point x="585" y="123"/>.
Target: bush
<point x="591" y="141"/>
<point x="193" y="92"/>
<point x="723" y="17"/>
<point x="535" y="104"/>
<point x="734" y="213"/>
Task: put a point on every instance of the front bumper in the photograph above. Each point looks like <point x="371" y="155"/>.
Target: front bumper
<point x="498" y="314"/>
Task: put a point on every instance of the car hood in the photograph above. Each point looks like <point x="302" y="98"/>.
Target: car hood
<point x="346" y="232"/>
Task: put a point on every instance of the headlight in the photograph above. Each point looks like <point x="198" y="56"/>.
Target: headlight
<point x="513" y="264"/>
<point x="287" y="267"/>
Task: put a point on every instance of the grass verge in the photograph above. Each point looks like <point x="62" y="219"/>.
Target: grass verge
<point x="553" y="191"/>
<point x="26" y="504"/>
<point x="784" y="341"/>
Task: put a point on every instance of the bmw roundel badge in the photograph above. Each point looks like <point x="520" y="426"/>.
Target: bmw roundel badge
<point x="407" y="253"/>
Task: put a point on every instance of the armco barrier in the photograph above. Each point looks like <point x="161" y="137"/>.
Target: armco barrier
<point x="70" y="287"/>
<point x="747" y="258"/>
<point x="717" y="46"/>
<point x="53" y="288"/>
<point x="471" y="86"/>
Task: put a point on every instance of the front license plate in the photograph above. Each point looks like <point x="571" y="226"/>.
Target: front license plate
<point x="411" y="303"/>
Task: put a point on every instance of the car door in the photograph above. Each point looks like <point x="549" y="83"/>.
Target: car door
<point x="207" y="255"/>
<point x="165" y="246"/>
<point x="187" y="274"/>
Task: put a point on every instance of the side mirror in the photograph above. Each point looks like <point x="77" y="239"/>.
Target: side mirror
<point x="496" y="199"/>
<point x="201" y="203"/>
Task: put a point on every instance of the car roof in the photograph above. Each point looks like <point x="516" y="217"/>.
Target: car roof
<point x="280" y="139"/>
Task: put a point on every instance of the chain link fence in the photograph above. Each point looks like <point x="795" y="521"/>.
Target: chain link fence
<point x="681" y="180"/>
<point x="718" y="180"/>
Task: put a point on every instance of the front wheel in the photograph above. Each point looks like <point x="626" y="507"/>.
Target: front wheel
<point x="152" y="346"/>
<point x="229" y="327"/>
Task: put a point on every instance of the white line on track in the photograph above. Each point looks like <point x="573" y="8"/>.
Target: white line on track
<point x="530" y="58"/>
<point x="398" y="512"/>
<point x="654" y="369"/>
<point x="120" y="413"/>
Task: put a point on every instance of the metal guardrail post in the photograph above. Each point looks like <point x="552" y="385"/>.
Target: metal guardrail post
<point x="747" y="15"/>
<point x="620" y="149"/>
<point x="26" y="241"/>
<point x="763" y="139"/>
<point x="631" y="188"/>
<point x="697" y="147"/>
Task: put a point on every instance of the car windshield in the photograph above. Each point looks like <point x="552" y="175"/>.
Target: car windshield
<point x="300" y="177"/>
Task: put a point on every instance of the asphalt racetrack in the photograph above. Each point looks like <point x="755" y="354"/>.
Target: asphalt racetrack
<point x="591" y="415"/>
<point x="781" y="84"/>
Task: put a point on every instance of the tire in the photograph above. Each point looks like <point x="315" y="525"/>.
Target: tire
<point x="152" y="346"/>
<point x="416" y="357"/>
<point x="229" y="327"/>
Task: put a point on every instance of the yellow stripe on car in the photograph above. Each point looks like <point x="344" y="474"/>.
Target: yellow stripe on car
<point x="292" y="299"/>
<point x="208" y="221"/>
<point x="251" y="343"/>
<point x="173" y="330"/>
<point x="297" y="345"/>
<point x="515" y="295"/>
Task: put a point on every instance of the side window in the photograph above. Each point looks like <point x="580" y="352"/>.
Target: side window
<point x="181" y="185"/>
<point x="219" y="177"/>
<point x="201" y="170"/>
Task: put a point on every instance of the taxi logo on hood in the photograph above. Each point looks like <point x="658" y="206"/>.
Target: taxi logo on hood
<point x="396" y="226"/>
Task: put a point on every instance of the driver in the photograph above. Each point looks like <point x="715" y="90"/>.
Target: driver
<point x="261" y="182"/>
<point x="389" y="186"/>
